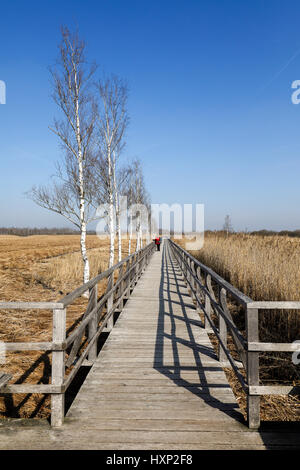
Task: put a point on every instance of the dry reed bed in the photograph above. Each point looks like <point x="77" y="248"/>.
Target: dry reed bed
<point x="40" y="268"/>
<point x="264" y="268"/>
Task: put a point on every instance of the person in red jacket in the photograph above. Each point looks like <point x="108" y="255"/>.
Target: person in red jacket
<point x="157" y="243"/>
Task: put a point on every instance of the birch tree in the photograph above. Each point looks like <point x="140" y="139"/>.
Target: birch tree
<point x="121" y="177"/>
<point x="130" y="201"/>
<point x="227" y="227"/>
<point x="139" y="200"/>
<point x="112" y="121"/>
<point x="72" y="192"/>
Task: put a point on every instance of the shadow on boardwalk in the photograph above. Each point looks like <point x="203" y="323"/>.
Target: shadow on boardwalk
<point x="273" y="434"/>
<point x="172" y="283"/>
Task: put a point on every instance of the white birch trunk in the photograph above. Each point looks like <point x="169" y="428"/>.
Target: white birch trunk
<point x="86" y="266"/>
<point x="118" y="208"/>
<point x="111" y="225"/>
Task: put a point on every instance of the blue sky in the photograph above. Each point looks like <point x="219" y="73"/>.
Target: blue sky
<point x="210" y="102"/>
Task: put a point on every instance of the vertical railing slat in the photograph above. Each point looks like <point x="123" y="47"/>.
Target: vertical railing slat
<point x="207" y="303"/>
<point x="222" y="326"/>
<point x="253" y="401"/>
<point x="109" y="303"/>
<point x="58" y="367"/>
<point x="93" y="324"/>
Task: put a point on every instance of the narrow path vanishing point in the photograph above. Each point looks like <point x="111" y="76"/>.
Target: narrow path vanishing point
<point x="156" y="384"/>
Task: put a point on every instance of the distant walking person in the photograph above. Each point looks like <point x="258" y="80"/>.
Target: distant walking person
<point x="157" y="243"/>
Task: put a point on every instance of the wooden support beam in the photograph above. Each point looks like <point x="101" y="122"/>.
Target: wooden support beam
<point x="58" y="368"/>
<point x="253" y="401"/>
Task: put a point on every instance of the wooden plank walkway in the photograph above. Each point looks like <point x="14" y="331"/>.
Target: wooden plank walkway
<point x="156" y="384"/>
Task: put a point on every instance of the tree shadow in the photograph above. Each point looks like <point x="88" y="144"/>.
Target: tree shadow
<point x="16" y="410"/>
<point x="274" y="435"/>
<point x="203" y="356"/>
<point x="12" y="410"/>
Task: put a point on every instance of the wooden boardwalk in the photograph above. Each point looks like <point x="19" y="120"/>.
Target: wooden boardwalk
<point x="156" y="384"/>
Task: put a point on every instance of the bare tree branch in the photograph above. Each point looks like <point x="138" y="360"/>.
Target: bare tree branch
<point x="71" y="82"/>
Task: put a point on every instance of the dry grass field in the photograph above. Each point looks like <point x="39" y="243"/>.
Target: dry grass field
<point x="47" y="267"/>
<point x="264" y="268"/>
<point x="40" y="268"/>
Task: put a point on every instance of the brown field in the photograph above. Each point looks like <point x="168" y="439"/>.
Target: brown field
<point x="40" y="268"/>
<point x="46" y="267"/>
<point x="28" y="262"/>
<point x="264" y="268"/>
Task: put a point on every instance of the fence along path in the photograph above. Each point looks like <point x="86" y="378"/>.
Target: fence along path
<point x="156" y="384"/>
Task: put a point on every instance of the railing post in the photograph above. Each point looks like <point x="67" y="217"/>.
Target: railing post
<point x="145" y="262"/>
<point x="132" y="273"/>
<point x="222" y="326"/>
<point x="253" y="401"/>
<point x="192" y="280"/>
<point x="109" y="303"/>
<point x="207" y="304"/>
<point x="93" y="323"/>
<point x="198" y="290"/>
<point x="184" y="266"/>
<point x="188" y="274"/>
<point x="58" y="367"/>
<point x="121" y="287"/>
<point x="137" y="270"/>
<point x="139" y="266"/>
<point x="127" y="280"/>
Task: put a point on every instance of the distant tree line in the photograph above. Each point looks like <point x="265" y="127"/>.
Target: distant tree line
<point x="26" y="231"/>
<point x="263" y="233"/>
<point x="289" y="233"/>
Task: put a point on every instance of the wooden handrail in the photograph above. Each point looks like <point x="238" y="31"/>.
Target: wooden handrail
<point x="248" y="348"/>
<point x="75" y="294"/>
<point x="236" y="293"/>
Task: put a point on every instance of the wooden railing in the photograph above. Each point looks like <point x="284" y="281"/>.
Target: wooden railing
<point x="98" y="317"/>
<point x="210" y="292"/>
